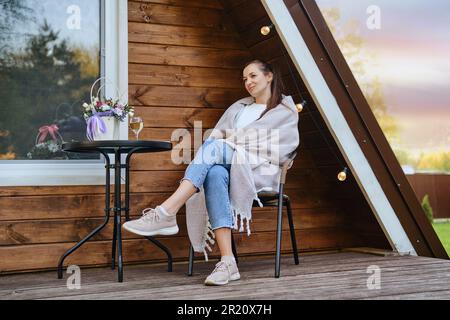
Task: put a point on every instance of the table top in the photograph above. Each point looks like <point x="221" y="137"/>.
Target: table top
<point x="124" y="146"/>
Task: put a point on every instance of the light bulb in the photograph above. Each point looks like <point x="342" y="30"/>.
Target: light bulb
<point x="342" y="176"/>
<point x="265" y="30"/>
<point x="300" y="106"/>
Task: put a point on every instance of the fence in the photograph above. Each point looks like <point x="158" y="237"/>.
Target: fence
<point x="437" y="186"/>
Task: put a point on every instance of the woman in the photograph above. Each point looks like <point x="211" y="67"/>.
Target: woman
<point x="241" y="157"/>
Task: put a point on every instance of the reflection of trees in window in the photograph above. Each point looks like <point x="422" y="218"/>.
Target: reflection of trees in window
<point x="11" y="12"/>
<point x="44" y="84"/>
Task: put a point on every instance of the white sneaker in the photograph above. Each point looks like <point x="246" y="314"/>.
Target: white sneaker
<point x="153" y="222"/>
<point x="223" y="273"/>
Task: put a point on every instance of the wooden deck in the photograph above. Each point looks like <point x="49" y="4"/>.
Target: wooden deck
<point x="321" y="276"/>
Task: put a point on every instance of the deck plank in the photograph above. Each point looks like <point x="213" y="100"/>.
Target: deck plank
<point x="320" y="276"/>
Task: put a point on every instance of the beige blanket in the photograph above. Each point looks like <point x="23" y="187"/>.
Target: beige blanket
<point x="260" y="148"/>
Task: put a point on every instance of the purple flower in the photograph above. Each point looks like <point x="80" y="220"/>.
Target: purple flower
<point x="117" y="111"/>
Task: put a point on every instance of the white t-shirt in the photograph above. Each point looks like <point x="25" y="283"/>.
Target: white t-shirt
<point x="249" y="114"/>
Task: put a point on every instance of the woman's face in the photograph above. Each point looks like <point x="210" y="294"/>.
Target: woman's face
<point x="255" y="81"/>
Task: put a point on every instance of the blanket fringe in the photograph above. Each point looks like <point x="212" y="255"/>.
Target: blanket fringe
<point x="205" y="254"/>
<point x="208" y="239"/>
<point x="259" y="201"/>
<point x="242" y="217"/>
<point x="209" y="236"/>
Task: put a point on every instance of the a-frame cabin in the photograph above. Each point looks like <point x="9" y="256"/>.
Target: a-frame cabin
<point x="184" y="64"/>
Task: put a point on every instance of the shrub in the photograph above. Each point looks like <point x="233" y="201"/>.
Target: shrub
<point x="427" y="208"/>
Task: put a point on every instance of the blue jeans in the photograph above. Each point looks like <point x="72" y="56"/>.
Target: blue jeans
<point x="211" y="168"/>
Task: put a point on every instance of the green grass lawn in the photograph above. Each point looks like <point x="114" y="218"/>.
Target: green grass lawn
<point x="443" y="232"/>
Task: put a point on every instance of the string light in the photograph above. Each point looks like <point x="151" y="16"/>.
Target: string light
<point x="342" y="176"/>
<point x="300" y="106"/>
<point x="265" y="30"/>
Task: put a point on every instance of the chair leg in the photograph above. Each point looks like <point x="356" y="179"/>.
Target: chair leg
<point x="279" y="232"/>
<point x="292" y="230"/>
<point x="233" y="246"/>
<point x="191" y="260"/>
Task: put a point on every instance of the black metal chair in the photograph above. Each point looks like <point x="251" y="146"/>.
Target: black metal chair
<point x="270" y="199"/>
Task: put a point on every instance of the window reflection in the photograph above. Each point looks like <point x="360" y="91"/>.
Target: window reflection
<point x="49" y="57"/>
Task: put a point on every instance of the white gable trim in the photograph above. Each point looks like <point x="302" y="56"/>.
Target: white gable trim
<point x="339" y="128"/>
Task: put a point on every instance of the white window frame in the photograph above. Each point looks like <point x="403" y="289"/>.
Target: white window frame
<point x="329" y="109"/>
<point x="83" y="172"/>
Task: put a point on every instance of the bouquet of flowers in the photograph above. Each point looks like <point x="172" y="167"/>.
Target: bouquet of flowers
<point x="107" y="108"/>
<point x="99" y="108"/>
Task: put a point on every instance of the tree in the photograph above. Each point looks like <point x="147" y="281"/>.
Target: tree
<point x="427" y="208"/>
<point x="405" y="158"/>
<point x="437" y="161"/>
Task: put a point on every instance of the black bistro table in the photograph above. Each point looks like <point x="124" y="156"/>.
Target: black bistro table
<point x="118" y="148"/>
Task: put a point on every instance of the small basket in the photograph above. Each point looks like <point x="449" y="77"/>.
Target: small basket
<point x="51" y="131"/>
<point x="119" y="96"/>
<point x="44" y="149"/>
<point x="103" y="126"/>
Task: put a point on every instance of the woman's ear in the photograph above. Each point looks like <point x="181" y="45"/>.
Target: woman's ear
<point x="269" y="77"/>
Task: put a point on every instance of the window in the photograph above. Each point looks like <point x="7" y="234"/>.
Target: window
<point x="50" y="54"/>
<point x="398" y="52"/>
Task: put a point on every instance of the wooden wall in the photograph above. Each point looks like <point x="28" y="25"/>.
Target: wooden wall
<point x="185" y="60"/>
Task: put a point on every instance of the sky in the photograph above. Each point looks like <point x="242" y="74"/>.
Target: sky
<point x="59" y="12"/>
<point x="410" y="54"/>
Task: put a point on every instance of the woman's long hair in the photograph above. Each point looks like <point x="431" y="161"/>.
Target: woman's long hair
<point x="276" y="86"/>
